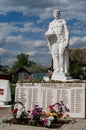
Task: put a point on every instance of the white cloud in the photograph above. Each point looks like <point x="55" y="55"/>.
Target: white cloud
<point x="39" y="43"/>
<point x="6" y="29"/>
<point x="31" y="53"/>
<point x="15" y="39"/>
<point x="79" y="42"/>
<point x="10" y="61"/>
<point x="74" y="8"/>
<point x="30" y="27"/>
<point x="2" y="51"/>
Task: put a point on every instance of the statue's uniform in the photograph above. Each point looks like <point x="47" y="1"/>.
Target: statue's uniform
<point x="57" y="44"/>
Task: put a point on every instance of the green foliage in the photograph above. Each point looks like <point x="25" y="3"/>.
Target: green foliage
<point x="5" y="121"/>
<point x="22" y="60"/>
<point x="75" y="70"/>
<point x="78" y="55"/>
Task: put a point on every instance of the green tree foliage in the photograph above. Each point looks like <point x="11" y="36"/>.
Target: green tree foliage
<point x="75" y="71"/>
<point x="78" y="56"/>
<point x="77" y="60"/>
<point x="22" y="60"/>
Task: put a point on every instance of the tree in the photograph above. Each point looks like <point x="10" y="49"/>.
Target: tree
<point x="77" y="60"/>
<point x="75" y="70"/>
<point x="22" y="60"/>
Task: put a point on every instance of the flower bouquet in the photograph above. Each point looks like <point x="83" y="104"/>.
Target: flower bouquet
<point x="19" y="113"/>
<point x="57" y="111"/>
<point x="39" y="117"/>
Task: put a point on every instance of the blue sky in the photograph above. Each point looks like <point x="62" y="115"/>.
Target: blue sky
<point x="23" y="24"/>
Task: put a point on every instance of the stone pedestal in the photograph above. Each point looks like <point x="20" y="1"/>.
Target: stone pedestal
<point x="61" y="76"/>
<point x="45" y="94"/>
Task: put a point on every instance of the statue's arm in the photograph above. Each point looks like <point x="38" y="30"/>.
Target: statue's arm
<point x="49" y="36"/>
<point x="66" y="33"/>
<point x="50" y="26"/>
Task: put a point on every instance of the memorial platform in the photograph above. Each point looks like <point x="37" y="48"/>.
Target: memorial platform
<point x="45" y="94"/>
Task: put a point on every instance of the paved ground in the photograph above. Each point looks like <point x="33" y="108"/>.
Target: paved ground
<point x="5" y="113"/>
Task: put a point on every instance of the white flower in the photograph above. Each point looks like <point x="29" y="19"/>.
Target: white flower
<point x="56" y="108"/>
<point x="51" y="118"/>
<point x="18" y="114"/>
<point x="21" y="109"/>
<point x="49" y="123"/>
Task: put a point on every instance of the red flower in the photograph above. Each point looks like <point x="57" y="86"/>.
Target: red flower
<point x="28" y="78"/>
<point x="51" y="107"/>
<point x="60" y="115"/>
<point x="67" y="115"/>
<point x="15" y="111"/>
<point x="29" y="111"/>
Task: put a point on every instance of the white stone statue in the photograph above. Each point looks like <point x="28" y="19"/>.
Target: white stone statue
<point x="58" y="41"/>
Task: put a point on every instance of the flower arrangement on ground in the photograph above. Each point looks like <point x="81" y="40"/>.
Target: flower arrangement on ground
<point x="19" y="113"/>
<point x="56" y="112"/>
<point x="18" y="110"/>
<point x="36" y="113"/>
<point x="49" y="118"/>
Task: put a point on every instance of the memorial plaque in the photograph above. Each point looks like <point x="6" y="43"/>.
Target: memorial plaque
<point x="51" y="96"/>
<point x="45" y="94"/>
<point x="21" y="95"/>
<point x="78" y="102"/>
<point x="44" y="98"/>
<point x="30" y="99"/>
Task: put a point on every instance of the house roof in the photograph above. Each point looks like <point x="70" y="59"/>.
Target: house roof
<point x="4" y="69"/>
<point x="28" y="69"/>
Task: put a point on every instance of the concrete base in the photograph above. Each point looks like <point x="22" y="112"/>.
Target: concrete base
<point x="3" y="104"/>
<point x="61" y="76"/>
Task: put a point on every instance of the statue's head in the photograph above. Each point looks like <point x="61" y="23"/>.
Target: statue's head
<point x="56" y="13"/>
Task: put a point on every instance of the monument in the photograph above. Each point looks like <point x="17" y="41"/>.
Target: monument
<point x="58" y="41"/>
<point x="46" y="93"/>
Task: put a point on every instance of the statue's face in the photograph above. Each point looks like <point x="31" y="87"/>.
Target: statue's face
<point x="56" y="14"/>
